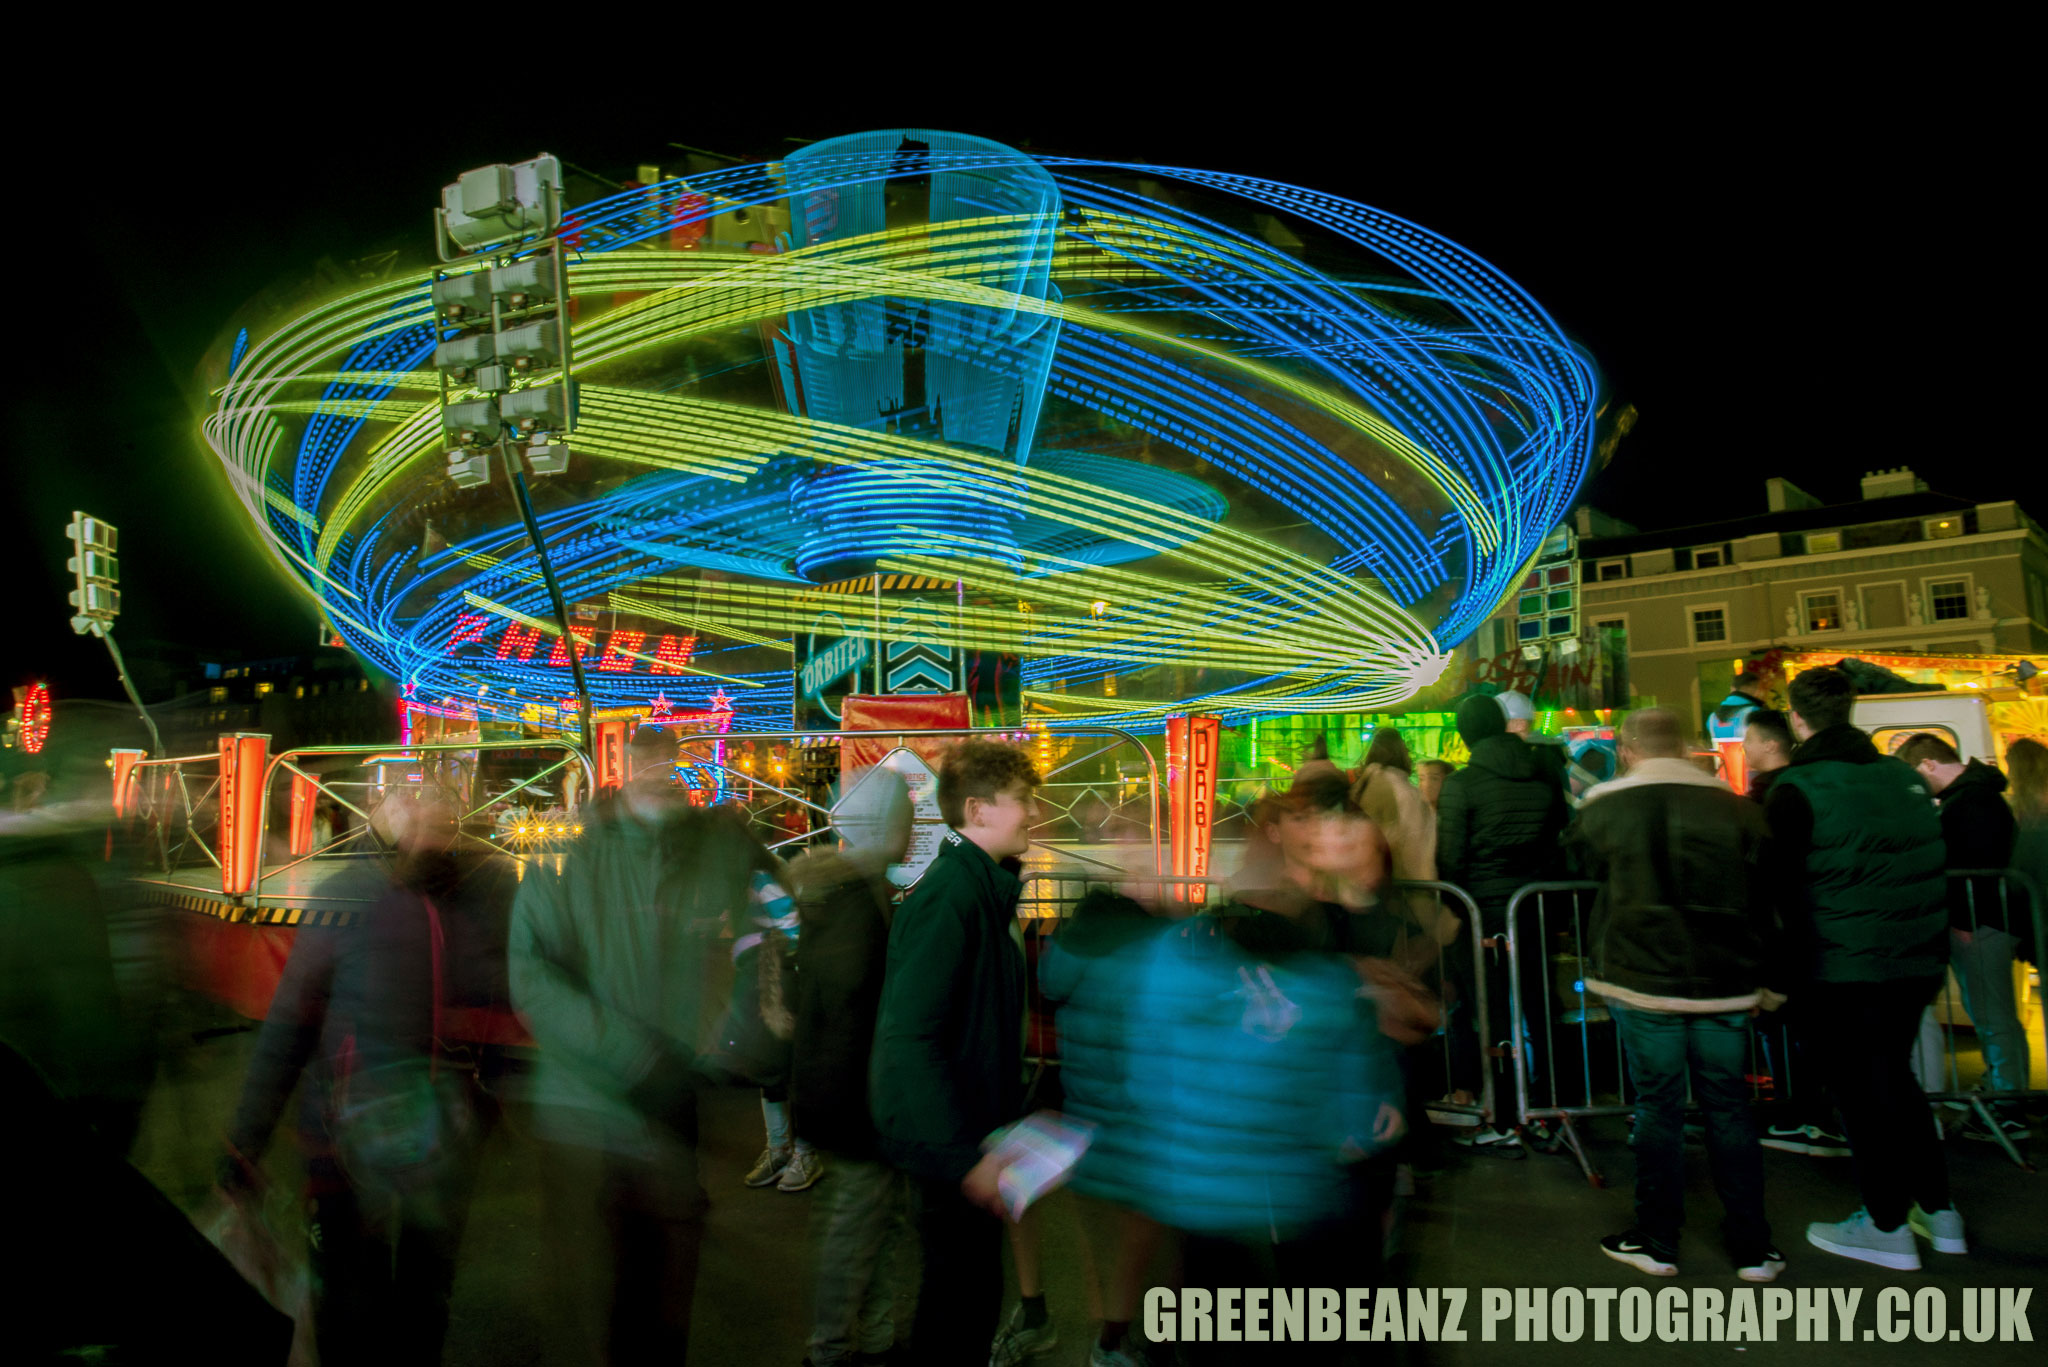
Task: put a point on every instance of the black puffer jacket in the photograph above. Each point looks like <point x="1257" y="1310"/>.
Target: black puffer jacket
<point x="845" y="935"/>
<point x="1498" y="822"/>
<point x="1680" y="923"/>
<point x="1978" y="829"/>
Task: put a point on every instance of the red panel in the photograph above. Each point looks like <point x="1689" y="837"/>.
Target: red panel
<point x="898" y="711"/>
<point x="235" y="965"/>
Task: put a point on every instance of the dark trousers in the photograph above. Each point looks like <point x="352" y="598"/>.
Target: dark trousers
<point x="381" y="1282"/>
<point x="1662" y="1048"/>
<point x="624" y="1238"/>
<point x="1865" y="1034"/>
<point x="960" y="1289"/>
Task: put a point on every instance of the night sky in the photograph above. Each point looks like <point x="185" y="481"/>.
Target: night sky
<point x="1716" y="270"/>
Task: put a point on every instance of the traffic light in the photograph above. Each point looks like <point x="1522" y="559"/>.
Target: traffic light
<point x="96" y="600"/>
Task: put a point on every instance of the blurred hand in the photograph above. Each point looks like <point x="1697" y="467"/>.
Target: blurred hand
<point x="979" y="1186"/>
<point x="1391" y="1124"/>
<point x="1408" y="1011"/>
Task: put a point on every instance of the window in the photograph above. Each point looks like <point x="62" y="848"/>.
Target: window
<point x="299" y="692"/>
<point x="1823" y="543"/>
<point x="1612" y="569"/>
<point x="1942" y="528"/>
<point x="263" y="687"/>
<point x="362" y="685"/>
<point x="1948" y="599"/>
<point x="1823" y="611"/>
<point x="216" y="694"/>
<point x="1884" y="605"/>
<point x="1611" y="626"/>
<point x="1708" y="557"/>
<point x="1888" y="739"/>
<point x="1709" y="625"/>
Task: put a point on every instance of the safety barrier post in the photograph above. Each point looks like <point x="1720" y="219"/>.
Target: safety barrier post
<point x="242" y="785"/>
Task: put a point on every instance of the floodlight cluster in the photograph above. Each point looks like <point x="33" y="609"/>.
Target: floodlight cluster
<point x="1350" y="446"/>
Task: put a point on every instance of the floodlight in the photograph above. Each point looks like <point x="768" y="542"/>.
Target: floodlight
<point x="1532" y="652"/>
<point x="533" y="347"/>
<point x="460" y="296"/>
<point x="495" y="204"/>
<point x="525" y="284"/>
<point x="95" y="570"/>
<point x="547" y="458"/>
<point x="545" y="409"/>
<point x="463" y="355"/>
<point x="474" y="423"/>
<point x="470" y="467"/>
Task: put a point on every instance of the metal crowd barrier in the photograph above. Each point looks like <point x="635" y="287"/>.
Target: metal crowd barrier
<point x="1050" y="897"/>
<point x="1589" y="1078"/>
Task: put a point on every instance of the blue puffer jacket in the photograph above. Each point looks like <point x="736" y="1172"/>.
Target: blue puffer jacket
<point x="1088" y="973"/>
<point x="1251" y="1079"/>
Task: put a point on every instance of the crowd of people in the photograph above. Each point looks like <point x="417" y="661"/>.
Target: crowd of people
<point x="1238" y="1090"/>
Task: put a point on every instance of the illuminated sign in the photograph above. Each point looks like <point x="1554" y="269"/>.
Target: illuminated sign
<point x="611" y="753"/>
<point x="618" y="652"/>
<point x="305" y="797"/>
<point x="127" y="791"/>
<point x="243" y="755"/>
<point x="35" y="717"/>
<point x="1191" y="749"/>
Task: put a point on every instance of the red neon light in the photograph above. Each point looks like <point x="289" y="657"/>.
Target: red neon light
<point x="672" y="654"/>
<point x="243" y="757"/>
<point x="35" y="718"/>
<point x="561" y="652"/>
<point x="521" y="639"/>
<point x="611" y="753"/>
<point x="127" y="792"/>
<point x="619" y="651"/>
<point x="1191" y="746"/>
<point x="470" y="626"/>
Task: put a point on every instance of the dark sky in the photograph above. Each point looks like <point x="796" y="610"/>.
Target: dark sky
<point x="1719" y="268"/>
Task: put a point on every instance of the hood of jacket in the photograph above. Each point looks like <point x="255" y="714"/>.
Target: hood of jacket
<point x="1654" y="771"/>
<point x="1977" y="779"/>
<point x="1841" y="743"/>
<point x="1506" y="756"/>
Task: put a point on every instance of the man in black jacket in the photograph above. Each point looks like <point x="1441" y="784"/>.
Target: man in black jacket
<point x="948" y="1065"/>
<point x="843" y="898"/>
<point x="1857" y="858"/>
<point x="1498" y="823"/>
<point x="1677" y="949"/>
<point x="1766" y="750"/>
<point x="1978" y="829"/>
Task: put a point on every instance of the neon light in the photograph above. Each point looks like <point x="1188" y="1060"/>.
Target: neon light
<point x="35" y="718"/>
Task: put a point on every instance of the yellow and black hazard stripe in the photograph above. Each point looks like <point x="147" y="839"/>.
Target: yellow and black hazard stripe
<point x="221" y="908"/>
<point x="890" y="583"/>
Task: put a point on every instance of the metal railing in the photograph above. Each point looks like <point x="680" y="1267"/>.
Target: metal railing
<point x="1554" y="916"/>
<point x="153" y="805"/>
<point x="898" y="737"/>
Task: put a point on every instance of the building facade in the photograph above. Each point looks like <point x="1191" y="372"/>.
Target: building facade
<point x="1904" y="571"/>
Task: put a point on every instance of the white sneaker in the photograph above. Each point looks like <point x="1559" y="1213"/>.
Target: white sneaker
<point x="767" y="1168"/>
<point x="1857" y="1237"/>
<point x="1942" y="1228"/>
<point x="1764" y="1269"/>
<point x="806" y="1166"/>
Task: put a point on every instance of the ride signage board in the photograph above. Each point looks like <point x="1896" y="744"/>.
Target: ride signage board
<point x="927" y="826"/>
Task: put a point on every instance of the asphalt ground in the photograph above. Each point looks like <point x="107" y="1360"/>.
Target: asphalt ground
<point x="1477" y="1222"/>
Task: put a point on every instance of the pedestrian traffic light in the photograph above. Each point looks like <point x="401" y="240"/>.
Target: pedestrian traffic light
<point x="96" y="599"/>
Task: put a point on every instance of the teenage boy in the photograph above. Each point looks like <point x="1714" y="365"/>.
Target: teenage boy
<point x="948" y="1060"/>
<point x="1859" y="859"/>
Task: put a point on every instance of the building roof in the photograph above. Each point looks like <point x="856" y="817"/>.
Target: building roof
<point x="1860" y="513"/>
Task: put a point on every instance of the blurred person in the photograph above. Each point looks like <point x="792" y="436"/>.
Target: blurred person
<point x="861" y="1227"/>
<point x="1256" y="1082"/>
<point x="1087" y="973"/>
<point x="1429" y="779"/>
<point x="1766" y="750"/>
<point x="1498" y="824"/>
<point x="1519" y="711"/>
<point x="1385" y="791"/>
<point x="388" y="1113"/>
<point x="1978" y="831"/>
<point x="607" y="962"/>
<point x="947" y="1067"/>
<point x="2027" y="765"/>
<point x="1679" y="934"/>
<point x="1856" y="859"/>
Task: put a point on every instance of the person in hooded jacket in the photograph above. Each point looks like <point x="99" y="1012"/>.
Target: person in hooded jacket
<point x="1856" y="858"/>
<point x="844" y="901"/>
<point x="1984" y="930"/>
<point x="1498" y="827"/>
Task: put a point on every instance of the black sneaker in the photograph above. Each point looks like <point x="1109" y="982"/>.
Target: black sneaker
<point x="1631" y="1249"/>
<point x="1811" y="1140"/>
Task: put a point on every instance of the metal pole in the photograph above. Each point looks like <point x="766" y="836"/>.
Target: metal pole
<point x="105" y="633"/>
<point x="547" y="574"/>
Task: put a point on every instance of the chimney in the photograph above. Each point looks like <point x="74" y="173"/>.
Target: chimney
<point x="1785" y="496"/>
<point x="1892" y="483"/>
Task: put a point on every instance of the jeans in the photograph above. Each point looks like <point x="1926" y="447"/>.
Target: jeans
<point x="1662" y="1047"/>
<point x="1865" y="1033"/>
<point x="960" y="1291"/>
<point x="862" y="1231"/>
<point x="1983" y="962"/>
